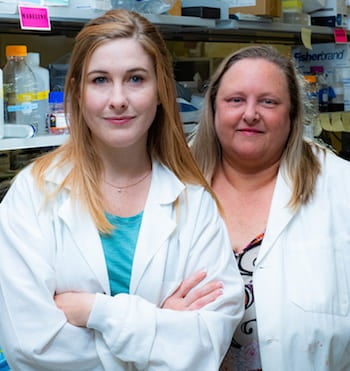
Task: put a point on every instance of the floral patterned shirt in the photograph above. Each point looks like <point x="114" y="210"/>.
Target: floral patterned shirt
<point x="244" y="354"/>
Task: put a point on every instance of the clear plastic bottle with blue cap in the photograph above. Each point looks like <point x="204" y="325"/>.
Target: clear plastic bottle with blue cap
<point x="56" y="118"/>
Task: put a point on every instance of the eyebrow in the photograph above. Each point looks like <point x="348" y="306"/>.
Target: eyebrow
<point x="131" y="70"/>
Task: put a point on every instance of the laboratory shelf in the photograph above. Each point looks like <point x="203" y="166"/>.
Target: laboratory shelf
<point x="69" y="22"/>
<point x="8" y="144"/>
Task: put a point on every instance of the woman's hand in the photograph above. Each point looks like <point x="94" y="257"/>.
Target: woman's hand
<point x="183" y="299"/>
<point x="76" y="306"/>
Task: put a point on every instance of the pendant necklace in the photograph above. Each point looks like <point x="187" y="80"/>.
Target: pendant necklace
<point x="122" y="188"/>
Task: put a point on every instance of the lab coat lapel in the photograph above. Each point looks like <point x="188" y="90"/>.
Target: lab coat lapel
<point x="86" y="238"/>
<point x="157" y="225"/>
<point x="279" y="217"/>
<point x="155" y="231"/>
<point x="158" y="221"/>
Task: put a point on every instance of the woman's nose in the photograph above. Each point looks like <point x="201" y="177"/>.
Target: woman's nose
<point x="118" y="98"/>
<point x="251" y="114"/>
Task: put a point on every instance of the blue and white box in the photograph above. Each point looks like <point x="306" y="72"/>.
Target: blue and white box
<point x="333" y="14"/>
<point x="333" y="57"/>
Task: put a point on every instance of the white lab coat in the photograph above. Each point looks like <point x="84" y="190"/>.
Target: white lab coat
<point x="302" y="277"/>
<point x="57" y="248"/>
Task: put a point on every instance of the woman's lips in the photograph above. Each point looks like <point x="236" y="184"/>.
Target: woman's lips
<point x="119" y="120"/>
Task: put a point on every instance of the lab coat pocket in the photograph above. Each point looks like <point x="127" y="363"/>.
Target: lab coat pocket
<point x="316" y="278"/>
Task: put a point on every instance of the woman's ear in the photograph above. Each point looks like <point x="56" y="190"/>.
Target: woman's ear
<point x="79" y="95"/>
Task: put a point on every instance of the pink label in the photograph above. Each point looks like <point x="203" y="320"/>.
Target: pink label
<point x="34" y="18"/>
<point x="340" y="36"/>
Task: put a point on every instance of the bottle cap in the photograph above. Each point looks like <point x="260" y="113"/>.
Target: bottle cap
<point x="56" y="97"/>
<point x="16" y="50"/>
<point x="310" y="78"/>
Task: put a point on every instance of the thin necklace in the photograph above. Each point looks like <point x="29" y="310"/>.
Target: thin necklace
<point x="121" y="188"/>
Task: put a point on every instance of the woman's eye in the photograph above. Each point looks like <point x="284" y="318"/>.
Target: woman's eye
<point x="136" y="79"/>
<point x="235" y="99"/>
<point x="269" y="102"/>
<point x="99" y="80"/>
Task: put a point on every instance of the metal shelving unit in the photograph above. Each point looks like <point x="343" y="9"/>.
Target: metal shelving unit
<point x="173" y="28"/>
<point x="63" y="22"/>
<point x="273" y="31"/>
<point x="181" y="28"/>
<point x="8" y="144"/>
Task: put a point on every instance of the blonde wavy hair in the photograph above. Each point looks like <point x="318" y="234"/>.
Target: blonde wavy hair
<point x="299" y="161"/>
<point x="166" y="140"/>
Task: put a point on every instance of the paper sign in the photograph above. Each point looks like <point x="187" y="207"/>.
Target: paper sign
<point x="346" y="121"/>
<point x="306" y="37"/>
<point x="34" y="18"/>
<point x="325" y="122"/>
<point x="340" y="36"/>
<point x="337" y="123"/>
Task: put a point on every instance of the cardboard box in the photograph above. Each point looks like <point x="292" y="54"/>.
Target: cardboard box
<point x="270" y="8"/>
<point x="176" y="9"/>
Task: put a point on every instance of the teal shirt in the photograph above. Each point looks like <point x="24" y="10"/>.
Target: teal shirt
<point x="3" y="364"/>
<point x="119" y="249"/>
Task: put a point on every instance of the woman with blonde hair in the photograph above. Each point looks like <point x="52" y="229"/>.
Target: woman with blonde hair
<point x="285" y="203"/>
<point x="97" y="236"/>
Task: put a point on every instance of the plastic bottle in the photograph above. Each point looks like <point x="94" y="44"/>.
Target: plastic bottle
<point x="122" y="4"/>
<point x="20" y="88"/>
<point x="43" y="82"/>
<point x="338" y="85"/>
<point x="56" y="119"/>
<point x="2" y="127"/>
<point x="323" y="86"/>
<point x="311" y="106"/>
<point x="153" y="6"/>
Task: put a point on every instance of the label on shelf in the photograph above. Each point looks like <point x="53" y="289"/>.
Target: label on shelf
<point x="34" y="18"/>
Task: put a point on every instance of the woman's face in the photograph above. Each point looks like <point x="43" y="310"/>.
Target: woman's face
<point x="120" y="96"/>
<point x="252" y="112"/>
